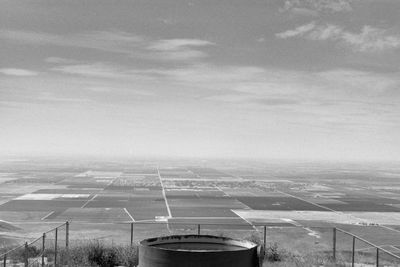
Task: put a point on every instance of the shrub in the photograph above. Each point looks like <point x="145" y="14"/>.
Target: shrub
<point x="272" y="253"/>
<point x="32" y="253"/>
<point x="99" y="254"/>
<point x="102" y="256"/>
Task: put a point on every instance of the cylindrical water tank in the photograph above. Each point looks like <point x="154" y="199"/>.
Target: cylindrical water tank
<point x="197" y="251"/>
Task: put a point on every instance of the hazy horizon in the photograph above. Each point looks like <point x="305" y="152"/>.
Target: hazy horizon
<point x="295" y="79"/>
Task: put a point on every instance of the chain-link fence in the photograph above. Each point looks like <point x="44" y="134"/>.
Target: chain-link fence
<point x="50" y="249"/>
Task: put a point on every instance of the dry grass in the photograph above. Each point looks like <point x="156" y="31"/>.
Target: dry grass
<point x="95" y="253"/>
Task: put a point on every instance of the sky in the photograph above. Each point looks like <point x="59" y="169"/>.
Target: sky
<point x="257" y="79"/>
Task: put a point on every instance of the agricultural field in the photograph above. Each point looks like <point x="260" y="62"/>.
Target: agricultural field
<point x="297" y="202"/>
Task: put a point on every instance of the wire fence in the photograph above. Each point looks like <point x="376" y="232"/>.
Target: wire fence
<point x="348" y="249"/>
<point x="42" y="251"/>
<point x="344" y="247"/>
<point x="351" y="248"/>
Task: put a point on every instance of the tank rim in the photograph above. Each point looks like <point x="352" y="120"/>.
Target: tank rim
<point x="210" y="239"/>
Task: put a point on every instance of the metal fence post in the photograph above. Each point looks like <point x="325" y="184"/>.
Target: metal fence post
<point x="265" y="237"/>
<point x="26" y="254"/>
<point x="334" y="244"/>
<point x="55" y="247"/>
<point x="353" y="251"/>
<point x="131" y="234"/>
<point x="43" y="247"/>
<point x="198" y="229"/>
<point x="5" y="260"/>
<point x="377" y="257"/>
<point x="67" y="241"/>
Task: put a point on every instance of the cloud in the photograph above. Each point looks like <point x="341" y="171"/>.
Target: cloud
<point x="99" y="70"/>
<point x="60" y="60"/>
<point x="116" y="42"/>
<point x="326" y="32"/>
<point x="107" y="71"/>
<point x="50" y="97"/>
<point x="112" y="41"/>
<point x="299" y="31"/>
<point x="265" y="83"/>
<point x="369" y="39"/>
<point x="275" y="101"/>
<point x="243" y="98"/>
<point x="313" y="7"/>
<point x="177" y="44"/>
<point x="247" y="86"/>
<point x="209" y="74"/>
<point x="18" y="72"/>
<point x="178" y="49"/>
<point x="194" y="74"/>
<point x="304" y="12"/>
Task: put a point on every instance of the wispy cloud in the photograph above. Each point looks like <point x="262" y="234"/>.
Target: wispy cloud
<point x="99" y="70"/>
<point x="178" y="49"/>
<point x="299" y="31"/>
<point x="177" y="44"/>
<point x="116" y="42"/>
<point x="207" y="74"/>
<point x="275" y="101"/>
<point x="50" y="97"/>
<point x="18" y="72"/>
<point x="246" y="80"/>
<point x="313" y="7"/>
<point x="61" y="60"/>
<point x="369" y="39"/>
<point x="112" y="41"/>
<point x="263" y="101"/>
<point x="313" y="90"/>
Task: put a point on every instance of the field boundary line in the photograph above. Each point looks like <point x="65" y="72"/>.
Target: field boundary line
<point x="127" y="212"/>
<point x="205" y="218"/>
<point x="389" y="228"/>
<point x="165" y="197"/>
<point x="252" y="225"/>
<point x="219" y="188"/>
<point x="337" y="212"/>
<point x="309" y="202"/>
<point x="164" y="194"/>
<point x="46" y="216"/>
<point x="90" y="200"/>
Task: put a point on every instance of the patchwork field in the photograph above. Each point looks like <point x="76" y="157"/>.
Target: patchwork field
<point x="229" y="198"/>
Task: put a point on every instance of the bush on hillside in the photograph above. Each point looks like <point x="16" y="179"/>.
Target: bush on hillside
<point x="273" y="253"/>
<point x="99" y="254"/>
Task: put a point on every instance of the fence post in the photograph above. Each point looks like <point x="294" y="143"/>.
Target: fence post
<point x="265" y="238"/>
<point x="55" y="247"/>
<point x="5" y="260"/>
<point x="377" y="257"/>
<point x="334" y="244"/>
<point x="26" y="254"/>
<point x="67" y="241"/>
<point x="353" y="251"/>
<point x="43" y="247"/>
<point x="198" y="229"/>
<point x="131" y="234"/>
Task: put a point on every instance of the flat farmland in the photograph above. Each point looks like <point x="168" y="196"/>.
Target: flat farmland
<point x="278" y="203"/>
<point x="92" y="215"/>
<point x="103" y="197"/>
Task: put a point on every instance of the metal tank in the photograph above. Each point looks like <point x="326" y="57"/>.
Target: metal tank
<point x="197" y="251"/>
